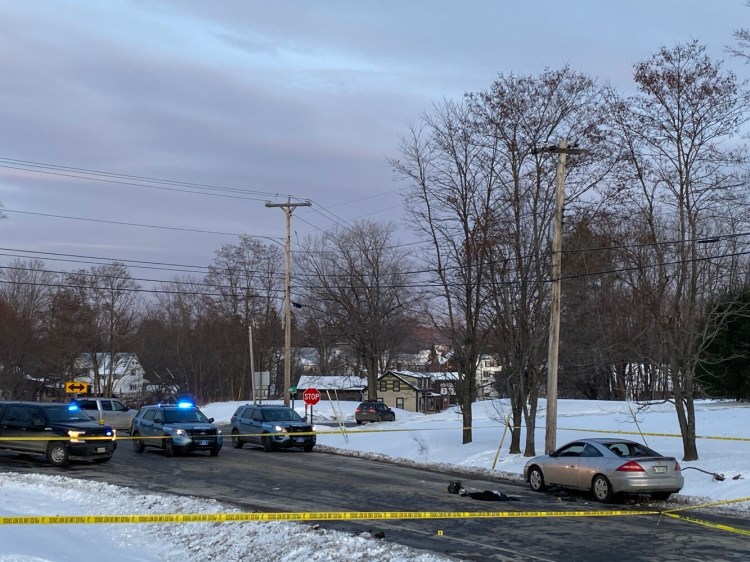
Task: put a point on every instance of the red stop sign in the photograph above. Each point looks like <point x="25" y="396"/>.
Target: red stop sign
<point x="311" y="396"/>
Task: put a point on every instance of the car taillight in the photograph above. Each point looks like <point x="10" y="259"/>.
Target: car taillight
<point x="677" y="466"/>
<point x="631" y="466"/>
<point x="357" y="410"/>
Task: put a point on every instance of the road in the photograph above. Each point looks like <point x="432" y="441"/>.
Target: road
<point x="295" y="481"/>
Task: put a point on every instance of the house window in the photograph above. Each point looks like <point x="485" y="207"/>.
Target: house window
<point x="396" y="386"/>
<point x="400" y="403"/>
<point x="383" y="386"/>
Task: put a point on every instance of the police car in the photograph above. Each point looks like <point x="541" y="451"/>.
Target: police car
<point x="175" y="428"/>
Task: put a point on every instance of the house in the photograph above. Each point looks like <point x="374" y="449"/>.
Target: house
<point x="125" y="373"/>
<point x="417" y="391"/>
<point x="334" y="387"/>
<point x="487" y="373"/>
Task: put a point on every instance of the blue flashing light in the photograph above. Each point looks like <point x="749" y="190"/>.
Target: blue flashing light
<point x="73" y="407"/>
<point x="185" y="404"/>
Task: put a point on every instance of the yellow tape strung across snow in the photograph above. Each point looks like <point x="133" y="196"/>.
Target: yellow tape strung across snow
<point x="709" y="504"/>
<point x="719" y="526"/>
<point x="611" y="432"/>
<point x="311" y="516"/>
<point x="384" y="430"/>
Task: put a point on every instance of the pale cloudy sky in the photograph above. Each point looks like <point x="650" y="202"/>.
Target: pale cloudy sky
<point x="299" y="98"/>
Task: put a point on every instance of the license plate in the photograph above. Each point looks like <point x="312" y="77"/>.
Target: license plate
<point x="660" y="469"/>
<point x="203" y="443"/>
<point x="101" y="449"/>
<point x="299" y="439"/>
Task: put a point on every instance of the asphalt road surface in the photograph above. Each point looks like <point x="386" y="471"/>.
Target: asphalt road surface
<point x="294" y="481"/>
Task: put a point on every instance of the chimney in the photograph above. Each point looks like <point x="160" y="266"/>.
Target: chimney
<point x="398" y="365"/>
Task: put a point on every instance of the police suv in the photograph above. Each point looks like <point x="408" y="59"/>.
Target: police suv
<point x="59" y="432"/>
<point x="175" y="428"/>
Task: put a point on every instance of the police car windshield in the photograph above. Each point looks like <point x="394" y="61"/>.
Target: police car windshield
<point x="281" y="415"/>
<point x="64" y="413"/>
<point x="186" y="415"/>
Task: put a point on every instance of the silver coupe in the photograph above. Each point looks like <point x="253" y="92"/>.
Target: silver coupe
<point x="607" y="467"/>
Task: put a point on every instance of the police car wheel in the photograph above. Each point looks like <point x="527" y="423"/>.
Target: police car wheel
<point x="57" y="454"/>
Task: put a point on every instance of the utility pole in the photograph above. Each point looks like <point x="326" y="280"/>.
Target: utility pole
<point x="288" y="208"/>
<point x="252" y="361"/>
<point x="554" y="322"/>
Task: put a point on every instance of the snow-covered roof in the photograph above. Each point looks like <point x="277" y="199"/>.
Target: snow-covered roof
<point x="436" y="376"/>
<point x="332" y="382"/>
<point x="123" y="362"/>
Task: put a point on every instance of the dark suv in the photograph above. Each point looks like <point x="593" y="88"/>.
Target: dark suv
<point x="60" y="432"/>
<point x="180" y="427"/>
<point x="271" y="427"/>
<point x="370" y="411"/>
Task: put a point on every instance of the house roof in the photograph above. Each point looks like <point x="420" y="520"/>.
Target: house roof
<point x="123" y="362"/>
<point x="434" y="376"/>
<point x="332" y="382"/>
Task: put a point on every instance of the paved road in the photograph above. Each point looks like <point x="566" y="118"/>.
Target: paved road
<point x="296" y="481"/>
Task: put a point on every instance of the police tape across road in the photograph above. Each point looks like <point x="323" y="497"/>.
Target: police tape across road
<point x="350" y="516"/>
<point x="303" y="516"/>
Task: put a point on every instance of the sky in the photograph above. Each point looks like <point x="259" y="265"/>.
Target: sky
<point x="428" y="440"/>
<point x="226" y="105"/>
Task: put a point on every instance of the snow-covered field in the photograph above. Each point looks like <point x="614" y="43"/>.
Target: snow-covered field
<point x="724" y="448"/>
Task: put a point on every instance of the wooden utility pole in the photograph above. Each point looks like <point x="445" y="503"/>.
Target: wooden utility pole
<point x="288" y="208"/>
<point x="554" y="322"/>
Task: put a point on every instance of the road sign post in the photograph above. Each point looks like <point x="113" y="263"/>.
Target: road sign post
<point x="292" y="392"/>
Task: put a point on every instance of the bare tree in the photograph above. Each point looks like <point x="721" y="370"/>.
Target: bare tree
<point x="26" y="290"/>
<point x="452" y="196"/>
<point x="247" y="281"/>
<point x="681" y="134"/>
<point x="356" y="278"/>
<point x="516" y="116"/>
<point x="111" y="296"/>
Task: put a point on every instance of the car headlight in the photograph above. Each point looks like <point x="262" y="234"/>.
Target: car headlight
<point x="218" y="432"/>
<point x="74" y="435"/>
<point x="315" y="429"/>
<point x="179" y="432"/>
<point x="279" y="429"/>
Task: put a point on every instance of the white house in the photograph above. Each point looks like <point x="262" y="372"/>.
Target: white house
<point x="125" y="372"/>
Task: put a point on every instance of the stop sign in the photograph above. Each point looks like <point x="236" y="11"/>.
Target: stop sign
<point x="311" y="396"/>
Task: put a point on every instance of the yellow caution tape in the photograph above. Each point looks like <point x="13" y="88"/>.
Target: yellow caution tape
<point x="715" y="503"/>
<point x="310" y="516"/>
<point x="611" y="432"/>
<point x="720" y="526"/>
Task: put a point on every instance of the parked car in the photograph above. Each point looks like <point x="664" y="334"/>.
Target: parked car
<point x="108" y="411"/>
<point x="59" y="432"/>
<point x="370" y="411"/>
<point x="272" y="427"/>
<point x="607" y="467"/>
<point x="175" y="428"/>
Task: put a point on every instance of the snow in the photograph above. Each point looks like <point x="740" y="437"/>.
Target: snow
<point x="723" y="446"/>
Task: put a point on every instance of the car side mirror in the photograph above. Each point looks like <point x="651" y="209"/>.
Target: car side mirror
<point x="552" y="453"/>
<point x="210" y="420"/>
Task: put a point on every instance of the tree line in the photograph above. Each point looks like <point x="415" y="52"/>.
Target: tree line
<point x="654" y="274"/>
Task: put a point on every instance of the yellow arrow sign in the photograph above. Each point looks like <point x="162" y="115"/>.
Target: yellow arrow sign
<point x="75" y="387"/>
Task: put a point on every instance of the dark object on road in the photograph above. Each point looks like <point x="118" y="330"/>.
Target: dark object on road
<point x="455" y="487"/>
<point x="488" y="496"/>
